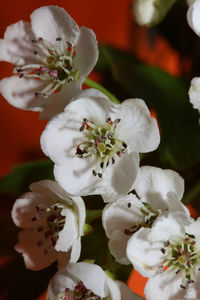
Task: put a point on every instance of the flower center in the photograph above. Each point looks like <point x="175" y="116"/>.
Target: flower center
<point x="100" y="141"/>
<point x="55" y="65"/>
<point x="79" y="293"/>
<point x="182" y="257"/>
<point x="54" y="223"/>
<point x="149" y="216"/>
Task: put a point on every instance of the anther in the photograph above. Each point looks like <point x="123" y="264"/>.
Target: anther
<point x="35" y="52"/>
<point x="19" y="70"/>
<point x="163" y="250"/>
<point x="113" y="161"/>
<point x="58" y="39"/>
<point x="82" y="128"/>
<point x="182" y="286"/>
<point x="94" y="172"/>
<point x="108" y="119"/>
<point x="100" y="175"/>
<point x="129" y="205"/>
<point x="22" y="75"/>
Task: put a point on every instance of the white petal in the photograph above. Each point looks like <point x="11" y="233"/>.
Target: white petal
<point x="68" y="235"/>
<point x="62" y="130"/>
<point x="117" y="215"/>
<point x="59" y="283"/>
<point x="34" y="256"/>
<point x="194" y="92"/>
<point x="24" y="209"/>
<point x="144" y="254"/>
<point x="58" y="101"/>
<point x="50" y="190"/>
<point x="153" y="185"/>
<point x="80" y="212"/>
<point x="193" y="16"/>
<point x="76" y="177"/>
<point x="169" y="225"/>
<point x="92" y="276"/>
<point x="113" y="290"/>
<point x="137" y="129"/>
<point x="16" y="47"/>
<point x="76" y="251"/>
<point x="93" y="105"/>
<point x="51" y="22"/>
<point x="21" y="92"/>
<point x="126" y="292"/>
<point x="167" y="285"/>
<point x="86" y="52"/>
<point x="117" y="245"/>
<point x="123" y="173"/>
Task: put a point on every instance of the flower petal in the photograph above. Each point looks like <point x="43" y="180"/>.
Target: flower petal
<point x="68" y="235"/>
<point x="144" y="254"/>
<point x="59" y="283"/>
<point x="117" y="245"/>
<point x="118" y="215"/>
<point x="193" y="16"/>
<point x="51" y="22"/>
<point x="137" y="128"/>
<point x="153" y="185"/>
<point x="16" y="47"/>
<point x="92" y="276"/>
<point x="24" y="210"/>
<point x="113" y="290"/>
<point x="86" y="52"/>
<point x="31" y="245"/>
<point x="58" y="101"/>
<point x="21" y="92"/>
<point x="126" y="292"/>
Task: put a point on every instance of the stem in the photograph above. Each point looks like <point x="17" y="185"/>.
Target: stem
<point x="95" y="85"/>
<point x="192" y="193"/>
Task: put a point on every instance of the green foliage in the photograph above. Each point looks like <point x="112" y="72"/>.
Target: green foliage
<point x="167" y="95"/>
<point x="18" y="181"/>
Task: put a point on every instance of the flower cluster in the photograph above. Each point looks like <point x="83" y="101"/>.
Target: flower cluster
<point x="95" y="145"/>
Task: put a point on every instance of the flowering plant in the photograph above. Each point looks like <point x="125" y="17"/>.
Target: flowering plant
<point x="111" y="197"/>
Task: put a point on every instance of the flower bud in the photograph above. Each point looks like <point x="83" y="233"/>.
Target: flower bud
<point x="150" y="12"/>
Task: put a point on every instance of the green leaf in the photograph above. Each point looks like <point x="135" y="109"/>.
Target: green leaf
<point x="168" y="96"/>
<point x="18" y="181"/>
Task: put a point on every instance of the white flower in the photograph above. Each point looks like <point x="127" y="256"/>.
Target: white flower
<point x="150" y="12"/>
<point x="157" y="191"/>
<point x="87" y="281"/>
<point x="53" y="224"/>
<point x="168" y="253"/>
<point x="193" y="15"/>
<point x="95" y="143"/>
<point x="194" y="93"/>
<point x="52" y="57"/>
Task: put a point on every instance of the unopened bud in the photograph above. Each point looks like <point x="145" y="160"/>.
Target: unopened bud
<point x="150" y="12"/>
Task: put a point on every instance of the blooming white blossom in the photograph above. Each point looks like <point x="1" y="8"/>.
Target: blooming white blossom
<point x="99" y="143"/>
<point x="53" y="224"/>
<point x="156" y="191"/>
<point x="169" y="253"/>
<point x="86" y="281"/>
<point x="52" y="57"/>
<point x="193" y="15"/>
<point x="150" y="12"/>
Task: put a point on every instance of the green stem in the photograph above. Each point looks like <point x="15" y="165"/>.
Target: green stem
<point x="93" y="84"/>
<point x="192" y="193"/>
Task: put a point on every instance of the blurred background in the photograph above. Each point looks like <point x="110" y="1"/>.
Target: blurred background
<point x="171" y="47"/>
